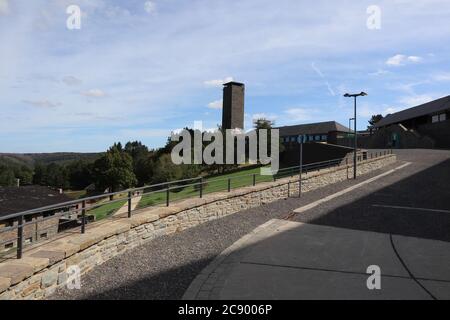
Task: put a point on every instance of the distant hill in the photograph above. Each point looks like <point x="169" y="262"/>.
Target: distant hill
<point x="29" y="159"/>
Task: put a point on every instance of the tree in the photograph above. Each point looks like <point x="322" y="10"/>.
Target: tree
<point x="165" y="170"/>
<point x="40" y="174"/>
<point x="57" y="176"/>
<point x="7" y="178"/>
<point x="114" y="170"/>
<point x="375" y="118"/>
<point x="24" y="174"/>
<point x="80" y="174"/>
<point x="142" y="161"/>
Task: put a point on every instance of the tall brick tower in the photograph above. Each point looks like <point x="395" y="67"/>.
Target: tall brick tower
<point x="233" y="105"/>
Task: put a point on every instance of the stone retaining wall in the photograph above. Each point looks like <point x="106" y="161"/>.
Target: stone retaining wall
<point x="44" y="268"/>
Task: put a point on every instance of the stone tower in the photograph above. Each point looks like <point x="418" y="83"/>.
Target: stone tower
<point x="233" y="105"/>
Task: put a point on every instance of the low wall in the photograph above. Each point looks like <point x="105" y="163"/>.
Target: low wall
<point x="44" y="268"/>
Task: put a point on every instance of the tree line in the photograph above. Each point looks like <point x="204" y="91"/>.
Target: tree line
<point x="120" y="167"/>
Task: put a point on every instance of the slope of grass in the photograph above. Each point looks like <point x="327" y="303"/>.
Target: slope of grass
<point x="106" y="210"/>
<point x="213" y="184"/>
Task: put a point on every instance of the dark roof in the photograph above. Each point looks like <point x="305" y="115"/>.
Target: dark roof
<point x="17" y="199"/>
<point x="312" y="128"/>
<point x="418" y="111"/>
<point x="233" y="83"/>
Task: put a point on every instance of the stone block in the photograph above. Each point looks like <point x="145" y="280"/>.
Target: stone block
<point x="4" y="284"/>
<point x="52" y="256"/>
<point x="36" y="263"/>
<point x="15" y="272"/>
<point x="49" y="278"/>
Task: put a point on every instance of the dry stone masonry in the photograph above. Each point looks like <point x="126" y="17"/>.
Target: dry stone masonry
<point x="44" y="267"/>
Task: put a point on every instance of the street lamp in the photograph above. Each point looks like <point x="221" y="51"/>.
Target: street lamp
<point x="347" y="95"/>
<point x="349" y="123"/>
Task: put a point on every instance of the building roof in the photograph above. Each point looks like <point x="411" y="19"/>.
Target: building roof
<point x="17" y="199"/>
<point x="418" y="111"/>
<point x="312" y="128"/>
<point x="233" y="83"/>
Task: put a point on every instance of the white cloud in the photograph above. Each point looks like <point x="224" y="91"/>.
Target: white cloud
<point x="95" y="93"/>
<point x="299" y="114"/>
<point x="412" y="101"/>
<point x="267" y="116"/>
<point x="379" y="72"/>
<point x="217" y="82"/>
<point x="44" y="103"/>
<point x="317" y="70"/>
<point x="401" y="59"/>
<point x="4" y="7"/>
<point x="441" y="77"/>
<point x="71" y="80"/>
<point x="217" y="105"/>
<point x="150" y="7"/>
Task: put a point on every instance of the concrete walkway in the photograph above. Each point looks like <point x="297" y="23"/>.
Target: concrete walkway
<point x="124" y="209"/>
<point x="292" y="260"/>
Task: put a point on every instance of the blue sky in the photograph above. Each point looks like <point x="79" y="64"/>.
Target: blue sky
<point x="138" y="69"/>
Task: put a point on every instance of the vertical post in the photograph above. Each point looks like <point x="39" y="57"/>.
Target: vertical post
<point x="168" y="195"/>
<point x="229" y="184"/>
<point x="20" y="237"/>
<point x="346" y="165"/>
<point x="289" y="189"/>
<point x="201" y="187"/>
<point x="301" y="169"/>
<point x="83" y="216"/>
<point x="129" y="204"/>
<point x="356" y="145"/>
<point x="254" y="179"/>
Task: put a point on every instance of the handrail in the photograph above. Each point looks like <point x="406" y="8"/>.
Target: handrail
<point x="166" y="187"/>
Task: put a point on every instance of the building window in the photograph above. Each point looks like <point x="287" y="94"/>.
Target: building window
<point x="48" y="214"/>
<point x="438" y="118"/>
<point x="9" y="245"/>
<point x="317" y="138"/>
<point x="28" y="240"/>
<point x="324" y="137"/>
<point x="293" y="139"/>
<point x="44" y="235"/>
<point x="28" y="218"/>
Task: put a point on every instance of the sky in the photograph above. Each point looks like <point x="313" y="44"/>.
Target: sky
<point x="137" y="69"/>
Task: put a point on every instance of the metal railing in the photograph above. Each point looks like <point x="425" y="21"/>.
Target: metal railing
<point x="157" y="194"/>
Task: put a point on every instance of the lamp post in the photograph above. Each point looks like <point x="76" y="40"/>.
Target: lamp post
<point x="349" y="123"/>
<point x="347" y="95"/>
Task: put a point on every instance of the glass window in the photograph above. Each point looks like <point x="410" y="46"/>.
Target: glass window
<point x="442" y="117"/>
<point x="324" y="137"/>
<point x="435" y="119"/>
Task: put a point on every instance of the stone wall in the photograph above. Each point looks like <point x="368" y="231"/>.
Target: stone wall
<point x="44" y="268"/>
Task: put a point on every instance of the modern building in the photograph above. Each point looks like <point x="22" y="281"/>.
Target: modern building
<point x="233" y="105"/>
<point x="423" y="126"/>
<point x="328" y="132"/>
<point x="18" y="199"/>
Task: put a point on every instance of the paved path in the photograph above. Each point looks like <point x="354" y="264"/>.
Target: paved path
<point x="291" y="260"/>
<point x="165" y="267"/>
<point x="124" y="209"/>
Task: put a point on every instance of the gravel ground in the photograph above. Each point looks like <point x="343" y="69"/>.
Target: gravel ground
<point x="164" y="267"/>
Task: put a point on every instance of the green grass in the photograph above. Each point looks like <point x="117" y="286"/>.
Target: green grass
<point x="75" y="194"/>
<point x="239" y="179"/>
<point x="106" y="210"/>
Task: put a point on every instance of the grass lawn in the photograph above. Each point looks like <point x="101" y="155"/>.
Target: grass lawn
<point x="213" y="184"/>
<point x="75" y="194"/>
<point x="106" y="210"/>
